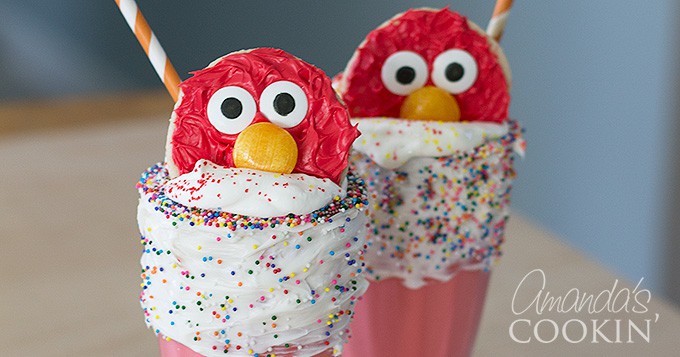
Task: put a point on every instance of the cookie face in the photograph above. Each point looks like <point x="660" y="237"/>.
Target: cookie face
<point x="427" y="48"/>
<point x="228" y="111"/>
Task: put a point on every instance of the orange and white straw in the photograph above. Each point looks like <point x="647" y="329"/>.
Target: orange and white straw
<point x="498" y="19"/>
<point x="154" y="51"/>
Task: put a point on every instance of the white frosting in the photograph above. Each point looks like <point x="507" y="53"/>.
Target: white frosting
<point x="189" y="286"/>
<point x="416" y="227"/>
<point x="251" y="192"/>
<point x="392" y="142"/>
<point x="434" y="211"/>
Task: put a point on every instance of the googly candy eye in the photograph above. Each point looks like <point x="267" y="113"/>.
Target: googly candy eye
<point x="455" y="71"/>
<point x="404" y="72"/>
<point x="284" y="103"/>
<point x="231" y="109"/>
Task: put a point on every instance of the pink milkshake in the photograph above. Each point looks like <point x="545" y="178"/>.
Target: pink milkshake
<point x="429" y="91"/>
<point x="382" y="330"/>
<point x="171" y="348"/>
<point x="253" y="229"/>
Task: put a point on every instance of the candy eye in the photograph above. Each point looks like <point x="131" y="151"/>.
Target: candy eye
<point x="231" y="109"/>
<point x="404" y="72"/>
<point x="284" y="103"/>
<point x="454" y="71"/>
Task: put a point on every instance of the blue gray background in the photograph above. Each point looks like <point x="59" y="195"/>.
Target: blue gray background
<point x="595" y="85"/>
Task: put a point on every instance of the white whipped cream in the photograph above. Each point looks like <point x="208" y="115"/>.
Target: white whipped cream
<point x="391" y="142"/>
<point x="251" y="192"/>
<point x="253" y="290"/>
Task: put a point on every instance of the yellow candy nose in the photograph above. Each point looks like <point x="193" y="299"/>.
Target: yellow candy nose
<point x="430" y="103"/>
<point x="265" y="147"/>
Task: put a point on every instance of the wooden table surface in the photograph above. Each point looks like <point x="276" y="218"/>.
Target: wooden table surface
<point x="69" y="249"/>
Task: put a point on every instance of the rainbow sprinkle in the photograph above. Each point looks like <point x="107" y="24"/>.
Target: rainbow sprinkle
<point x="225" y="283"/>
<point x="152" y="183"/>
<point x="433" y="216"/>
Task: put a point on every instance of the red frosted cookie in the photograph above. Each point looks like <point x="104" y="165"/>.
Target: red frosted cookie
<point x="262" y="109"/>
<point x="428" y="64"/>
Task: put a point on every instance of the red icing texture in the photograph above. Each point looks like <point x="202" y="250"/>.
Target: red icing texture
<point x="324" y="137"/>
<point x="427" y="33"/>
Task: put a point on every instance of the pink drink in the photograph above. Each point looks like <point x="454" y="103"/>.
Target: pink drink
<point x="253" y="248"/>
<point x="175" y="349"/>
<point x="430" y="93"/>
<point x="440" y="319"/>
<point x="430" y="252"/>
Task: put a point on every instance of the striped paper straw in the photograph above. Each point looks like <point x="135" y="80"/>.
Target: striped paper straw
<point x="499" y="18"/>
<point x="154" y="51"/>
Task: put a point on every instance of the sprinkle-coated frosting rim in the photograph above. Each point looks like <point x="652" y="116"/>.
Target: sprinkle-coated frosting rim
<point x="152" y="183"/>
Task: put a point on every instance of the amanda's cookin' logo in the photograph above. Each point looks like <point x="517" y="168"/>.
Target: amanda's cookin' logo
<point x="615" y="315"/>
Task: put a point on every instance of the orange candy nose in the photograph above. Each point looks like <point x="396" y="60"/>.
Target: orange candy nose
<point x="265" y="147"/>
<point x="430" y="103"/>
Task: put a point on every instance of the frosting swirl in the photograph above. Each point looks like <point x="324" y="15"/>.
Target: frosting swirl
<point x="391" y="142"/>
<point x="251" y="192"/>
